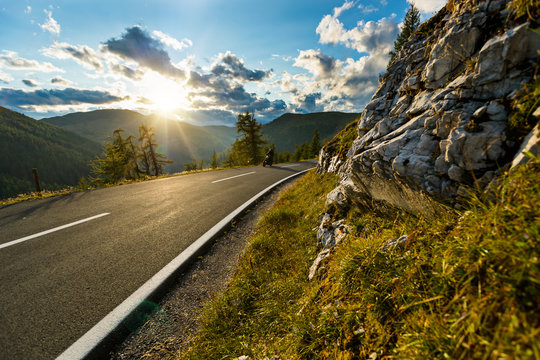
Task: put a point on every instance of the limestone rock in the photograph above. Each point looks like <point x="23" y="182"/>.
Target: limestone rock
<point x="448" y="53"/>
<point x="336" y="197"/>
<point x="531" y="144"/>
<point x="317" y="262"/>
<point x="438" y="118"/>
<point x="394" y="243"/>
<point x="331" y="233"/>
<point x="502" y="52"/>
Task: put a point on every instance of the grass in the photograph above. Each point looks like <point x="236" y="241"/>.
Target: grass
<point x="525" y="103"/>
<point x="525" y="8"/>
<point x="341" y="143"/>
<point x="466" y="285"/>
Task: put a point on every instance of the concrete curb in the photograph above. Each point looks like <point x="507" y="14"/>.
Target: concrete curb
<point x="99" y="340"/>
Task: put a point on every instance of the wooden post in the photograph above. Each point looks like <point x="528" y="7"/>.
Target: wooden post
<point x="36" y="181"/>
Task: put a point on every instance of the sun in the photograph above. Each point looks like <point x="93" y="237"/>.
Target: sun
<point x="164" y="94"/>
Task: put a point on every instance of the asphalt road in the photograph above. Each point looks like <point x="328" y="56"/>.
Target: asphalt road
<point x="55" y="287"/>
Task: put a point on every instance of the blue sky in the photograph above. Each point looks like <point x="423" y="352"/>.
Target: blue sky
<point x="199" y="61"/>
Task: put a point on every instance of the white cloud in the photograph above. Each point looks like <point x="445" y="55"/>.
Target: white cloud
<point x="428" y="6"/>
<point x="5" y="78"/>
<point x="28" y="9"/>
<point x="30" y="82"/>
<point x="50" y="24"/>
<point x="82" y="54"/>
<point x="365" y="37"/>
<point x="334" y="85"/>
<point x="168" y="40"/>
<point x="60" y="81"/>
<point x="367" y="9"/>
<point x="317" y="63"/>
<point x="346" y="6"/>
<point x="10" y="60"/>
<point x="384" y="2"/>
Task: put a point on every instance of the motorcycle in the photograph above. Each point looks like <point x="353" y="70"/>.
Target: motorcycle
<point x="268" y="160"/>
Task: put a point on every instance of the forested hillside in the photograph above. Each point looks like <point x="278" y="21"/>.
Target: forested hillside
<point x="60" y="156"/>
<point x="180" y="141"/>
<point x="290" y="130"/>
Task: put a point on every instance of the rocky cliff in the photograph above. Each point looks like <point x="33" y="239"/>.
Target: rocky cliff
<point x="438" y="121"/>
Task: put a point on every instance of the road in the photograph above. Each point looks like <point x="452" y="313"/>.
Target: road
<point x="56" y="286"/>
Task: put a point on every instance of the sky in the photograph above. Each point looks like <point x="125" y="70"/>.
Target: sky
<point x="199" y="61"/>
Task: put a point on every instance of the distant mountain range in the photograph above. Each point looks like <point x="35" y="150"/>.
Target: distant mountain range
<point x="182" y="141"/>
<point x="290" y="130"/>
<point x="61" y="147"/>
<point x="60" y="156"/>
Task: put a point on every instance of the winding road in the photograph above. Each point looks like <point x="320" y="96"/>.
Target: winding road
<point x="67" y="262"/>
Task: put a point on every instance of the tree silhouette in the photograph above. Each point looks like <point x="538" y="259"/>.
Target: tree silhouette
<point x="315" y="146"/>
<point x="252" y="138"/>
<point x="410" y="25"/>
<point x="123" y="160"/>
<point x="214" y="163"/>
<point x="248" y="150"/>
<point x="152" y="160"/>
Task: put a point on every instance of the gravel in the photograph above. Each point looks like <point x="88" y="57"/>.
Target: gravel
<point x="168" y="332"/>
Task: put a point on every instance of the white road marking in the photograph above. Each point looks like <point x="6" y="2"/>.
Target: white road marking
<point x="289" y="165"/>
<point x="232" y="177"/>
<point x="105" y="328"/>
<point x="50" y="231"/>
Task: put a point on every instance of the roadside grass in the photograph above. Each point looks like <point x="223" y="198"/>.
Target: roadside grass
<point x="85" y="185"/>
<point x="465" y="286"/>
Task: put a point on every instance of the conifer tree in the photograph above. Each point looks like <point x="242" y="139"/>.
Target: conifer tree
<point x="214" y="164"/>
<point x="249" y="148"/>
<point x="114" y="165"/>
<point x="315" y="146"/>
<point x="151" y="159"/>
<point x="410" y="25"/>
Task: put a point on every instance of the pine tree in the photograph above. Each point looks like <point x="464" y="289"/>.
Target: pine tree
<point x="152" y="160"/>
<point x="107" y="169"/>
<point x="410" y="25"/>
<point x="214" y="164"/>
<point x="249" y="148"/>
<point x="114" y="164"/>
<point x="315" y="146"/>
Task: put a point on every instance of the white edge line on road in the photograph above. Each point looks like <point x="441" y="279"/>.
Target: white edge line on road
<point x="5" y="245"/>
<point x="89" y="341"/>
<point x="232" y="177"/>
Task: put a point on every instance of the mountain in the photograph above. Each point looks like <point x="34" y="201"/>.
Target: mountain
<point x="60" y="156"/>
<point x="180" y="141"/>
<point x="290" y="130"/>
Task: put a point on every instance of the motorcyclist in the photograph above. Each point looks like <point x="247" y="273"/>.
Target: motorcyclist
<point x="269" y="156"/>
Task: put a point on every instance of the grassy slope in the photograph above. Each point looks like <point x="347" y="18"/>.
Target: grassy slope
<point x="466" y="286"/>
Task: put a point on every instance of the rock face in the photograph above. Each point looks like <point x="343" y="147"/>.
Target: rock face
<point x="438" y="119"/>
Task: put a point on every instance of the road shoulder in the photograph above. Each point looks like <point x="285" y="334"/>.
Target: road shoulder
<point x="170" y="329"/>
